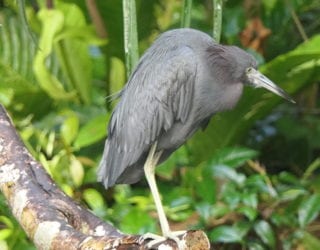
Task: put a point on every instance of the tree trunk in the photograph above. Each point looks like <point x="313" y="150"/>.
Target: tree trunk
<point x="51" y="219"/>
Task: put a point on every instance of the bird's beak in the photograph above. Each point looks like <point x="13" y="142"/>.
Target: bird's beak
<point x="258" y="80"/>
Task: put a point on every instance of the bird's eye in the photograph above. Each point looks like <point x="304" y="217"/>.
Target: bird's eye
<point x="249" y="70"/>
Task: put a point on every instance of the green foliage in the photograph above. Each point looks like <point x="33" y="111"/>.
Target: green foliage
<point x="92" y="132"/>
<point x="64" y="29"/>
<point x="57" y="76"/>
<point x="254" y="206"/>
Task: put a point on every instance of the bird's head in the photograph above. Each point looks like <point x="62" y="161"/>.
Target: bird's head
<point x="247" y="66"/>
<point x="235" y="65"/>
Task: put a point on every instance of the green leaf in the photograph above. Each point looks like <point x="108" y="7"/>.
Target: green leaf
<point x="6" y="96"/>
<point x="66" y="37"/>
<point x="5" y="220"/>
<point x="7" y="228"/>
<point x="142" y="202"/>
<point x="219" y="210"/>
<point x="269" y="4"/>
<point x="233" y="157"/>
<point x="243" y="227"/>
<point x="310" y="241"/>
<point x="265" y="232"/>
<point x="230" y="234"/>
<point x="292" y="194"/>
<point x="226" y="172"/>
<point x="206" y="187"/>
<point x="179" y="209"/>
<point x="137" y="222"/>
<point x="76" y="171"/>
<point x="287" y="177"/>
<point x="257" y="183"/>
<point x="69" y="128"/>
<point x="17" y="81"/>
<point x="203" y="209"/>
<point x="167" y="168"/>
<point x="284" y="218"/>
<point x="52" y="23"/>
<point x="231" y="195"/>
<point x="93" y="131"/>
<point x="225" y="234"/>
<point x="249" y="199"/>
<point x="5" y="233"/>
<point x="249" y="212"/>
<point x="315" y="165"/>
<point x="309" y="210"/>
<point x="93" y="198"/>
<point x="95" y="201"/>
<point x="117" y="75"/>
<point x="255" y="246"/>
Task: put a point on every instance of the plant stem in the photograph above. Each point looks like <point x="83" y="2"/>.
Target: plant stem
<point x="186" y="13"/>
<point x="130" y="34"/>
<point x="299" y="25"/>
<point x="96" y="18"/>
<point x="217" y="19"/>
<point x="311" y="168"/>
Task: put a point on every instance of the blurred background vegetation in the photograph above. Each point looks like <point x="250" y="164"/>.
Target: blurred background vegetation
<point x="251" y="180"/>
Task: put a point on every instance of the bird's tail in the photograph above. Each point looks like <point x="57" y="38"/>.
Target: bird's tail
<point x="104" y="166"/>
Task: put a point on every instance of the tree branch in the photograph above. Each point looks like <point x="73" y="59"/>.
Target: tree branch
<point x="51" y="219"/>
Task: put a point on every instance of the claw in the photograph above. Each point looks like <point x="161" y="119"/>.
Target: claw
<point x="157" y="239"/>
<point x="152" y="236"/>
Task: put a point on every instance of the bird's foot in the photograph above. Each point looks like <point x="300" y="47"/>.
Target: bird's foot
<point x="156" y="239"/>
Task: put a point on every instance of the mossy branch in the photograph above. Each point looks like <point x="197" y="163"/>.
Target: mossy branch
<point x="50" y="218"/>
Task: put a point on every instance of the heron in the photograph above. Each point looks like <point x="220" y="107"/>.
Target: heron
<point x="180" y="82"/>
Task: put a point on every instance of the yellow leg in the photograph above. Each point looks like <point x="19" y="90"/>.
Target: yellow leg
<point x="149" y="170"/>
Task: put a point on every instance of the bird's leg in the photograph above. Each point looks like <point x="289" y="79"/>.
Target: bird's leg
<point x="149" y="170"/>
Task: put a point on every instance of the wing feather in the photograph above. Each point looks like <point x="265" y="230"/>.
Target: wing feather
<point x="158" y="94"/>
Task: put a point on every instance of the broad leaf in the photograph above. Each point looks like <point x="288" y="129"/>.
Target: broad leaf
<point x="233" y="157"/>
<point x="69" y="128"/>
<point x="52" y="23"/>
<point x="76" y="171"/>
<point x="225" y="234"/>
<point x="265" y="231"/>
<point x="310" y="241"/>
<point x="309" y="210"/>
<point x="92" y="132"/>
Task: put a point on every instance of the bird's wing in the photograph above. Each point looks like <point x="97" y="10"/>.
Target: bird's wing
<point x="158" y="94"/>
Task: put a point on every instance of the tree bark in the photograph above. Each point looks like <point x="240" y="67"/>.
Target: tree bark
<point x="51" y="219"/>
